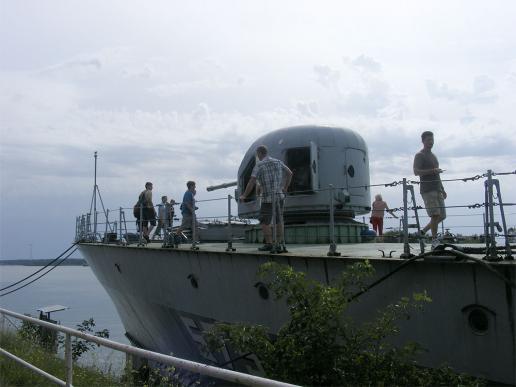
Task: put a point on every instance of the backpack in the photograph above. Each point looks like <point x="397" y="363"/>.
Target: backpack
<point x="136" y="208"/>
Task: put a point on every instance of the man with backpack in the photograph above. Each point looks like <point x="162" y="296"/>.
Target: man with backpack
<point x="145" y="211"/>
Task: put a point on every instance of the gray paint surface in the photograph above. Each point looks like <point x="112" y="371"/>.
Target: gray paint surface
<point x="158" y="305"/>
<point x="341" y="160"/>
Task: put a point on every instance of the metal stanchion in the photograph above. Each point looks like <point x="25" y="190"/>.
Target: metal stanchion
<point x="88" y="222"/>
<point x="120" y="222"/>
<point x="230" y="234"/>
<point x="504" y="223"/>
<point x="281" y="206"/>
<point x="491" y="253"/>
<point x="107" y="223"/>
<point x="68" y="359"/>
<point x="275" y="248"/>
<point x="141" y="240"/>
<point x="333" y="247"/>
<point x="194" y="229"/>
<point x="406" y="246"/>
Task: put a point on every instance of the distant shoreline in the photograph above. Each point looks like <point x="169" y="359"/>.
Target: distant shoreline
<point x="42" y="262"/>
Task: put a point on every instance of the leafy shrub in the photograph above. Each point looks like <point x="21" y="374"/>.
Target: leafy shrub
<point x="321" y="345"/>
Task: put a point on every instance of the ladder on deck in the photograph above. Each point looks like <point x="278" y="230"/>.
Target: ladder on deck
<point x="408" y="188"/>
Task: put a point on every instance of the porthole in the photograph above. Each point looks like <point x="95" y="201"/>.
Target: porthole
<point x="478" y="321"/>
<point x="351" y="171"/>
<point x="262" y="290"/>
<point x="193" y="281"/>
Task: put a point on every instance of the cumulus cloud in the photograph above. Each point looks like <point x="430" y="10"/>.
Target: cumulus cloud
<point x="367" y="64"/>
<point x="359" y="88"/>
<point x="308" y="109"/>
<point x="327" y="76"/>
<point x="194" y="86"/>
<point x="511" y="78"/>
<point x="73" y="66"/>
<point x="482" y="91"/>
<point x="467" y="118"/>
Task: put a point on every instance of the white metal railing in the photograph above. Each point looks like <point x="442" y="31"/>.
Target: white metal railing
<point x="203" y="369"/>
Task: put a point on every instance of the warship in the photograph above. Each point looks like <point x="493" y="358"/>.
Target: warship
<point x="167" y="294"/>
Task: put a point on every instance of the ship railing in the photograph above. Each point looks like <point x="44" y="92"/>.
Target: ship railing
<point x="119" y="230"/>
<point x="190" y="366"/>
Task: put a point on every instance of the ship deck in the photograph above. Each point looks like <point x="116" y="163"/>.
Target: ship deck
<point x="371" y="250"/>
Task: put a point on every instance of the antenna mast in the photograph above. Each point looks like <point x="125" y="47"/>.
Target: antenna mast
<point x="93" y="205"/>
<point x="95" y="197"/>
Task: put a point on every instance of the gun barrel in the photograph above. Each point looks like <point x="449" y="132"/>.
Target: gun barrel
<point x="224" y="185"/>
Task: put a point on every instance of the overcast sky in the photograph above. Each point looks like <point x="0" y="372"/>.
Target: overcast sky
<point x="169" y="91"/>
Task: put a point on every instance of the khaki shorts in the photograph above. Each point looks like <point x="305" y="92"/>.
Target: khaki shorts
<point x="434" y="203"/>
<point x="265" y="216"/>
<point x="187" y="222"/>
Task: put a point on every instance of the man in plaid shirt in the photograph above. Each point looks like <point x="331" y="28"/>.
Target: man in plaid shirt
<point x="274" y="177"/>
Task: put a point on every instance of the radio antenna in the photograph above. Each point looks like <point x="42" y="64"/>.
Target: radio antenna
<point x="93" y="205"/>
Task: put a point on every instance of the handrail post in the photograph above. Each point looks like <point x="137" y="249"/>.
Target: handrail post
<point x="140" y="242"/>
<point x="421" y="243"/>
<point x="491" y="253"/>
<point x="194" y="229"/>
<point x="2" y="323"/>
<point x="406" y="246"/>
<point x="274" y="225"/>
<point x="230" y="233"/>
<point x="107" y="222"/>
<point x="68" y="359"/>
<point x="508" y="252"/>
<point x="120" y="222"/>
<point x="96" y="219"/>
<point x="333" y="247"/>
<point x="88" y="222"/>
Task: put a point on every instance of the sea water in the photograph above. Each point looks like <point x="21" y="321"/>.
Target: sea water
<point x="76" y="288"/>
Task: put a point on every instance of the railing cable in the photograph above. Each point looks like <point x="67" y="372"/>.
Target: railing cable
<point x="43" y="268"/>
<point x="42" y="275"/>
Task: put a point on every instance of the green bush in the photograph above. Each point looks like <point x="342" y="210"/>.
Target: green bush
<point x="321" y="345"/>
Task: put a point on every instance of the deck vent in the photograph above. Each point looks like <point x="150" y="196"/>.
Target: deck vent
<point x="262" y="290"/>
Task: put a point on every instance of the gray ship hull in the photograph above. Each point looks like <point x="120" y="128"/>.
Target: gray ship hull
<point x="167" y="297"/>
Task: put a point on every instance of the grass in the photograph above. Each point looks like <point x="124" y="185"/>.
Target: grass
<point x="14" y="374"/>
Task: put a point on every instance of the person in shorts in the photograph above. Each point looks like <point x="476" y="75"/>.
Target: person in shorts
<point x="188" y="212"/>
<point x="273" y="178"/>
<point x="378" y="208"/>
<point x="148" y="211"/>
<point x="426" y="166"/>
<point x="163" y="213"/>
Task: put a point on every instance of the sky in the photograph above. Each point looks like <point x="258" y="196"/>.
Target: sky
<point x="168" y="91"/>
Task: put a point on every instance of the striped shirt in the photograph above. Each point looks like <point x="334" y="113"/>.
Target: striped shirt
<point x="269" y="174"/>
